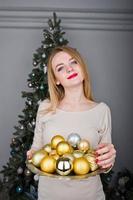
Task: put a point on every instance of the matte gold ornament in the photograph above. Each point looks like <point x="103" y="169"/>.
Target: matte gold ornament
<point x="47" y="148"/>
<point x="63" y="148"/>
<point x="64" y="166"/>
<point x="81" y="166"/>
<point x="92" y="161"/>
<point x="55" y="140"/>
<point x="48" y="164"/>
<point x="78" y="154"/>
<point x="69" y="155"/>
<point x="38" y="156"/>
<point x="74" y="139"/>
<point x="84" y="145"/>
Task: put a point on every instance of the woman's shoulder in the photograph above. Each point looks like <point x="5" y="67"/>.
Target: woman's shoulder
<point x="44" y="104"/>
<point x="105" y="107"/>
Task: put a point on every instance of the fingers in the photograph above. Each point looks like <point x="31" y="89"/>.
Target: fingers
<point x="30" y="154"/>
<point x="106" y="154"/>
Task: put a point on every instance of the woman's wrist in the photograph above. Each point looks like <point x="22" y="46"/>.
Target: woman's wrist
<point x="108" y="169"/>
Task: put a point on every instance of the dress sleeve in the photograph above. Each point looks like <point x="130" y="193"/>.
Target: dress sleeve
<point x="38" y="131"/>
<point x="106" y="127"/>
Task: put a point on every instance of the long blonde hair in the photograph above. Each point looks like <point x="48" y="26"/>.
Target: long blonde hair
<point x="56" y="92"/>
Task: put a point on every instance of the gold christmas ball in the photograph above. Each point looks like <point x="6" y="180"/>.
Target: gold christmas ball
<point x="55" y="140"/>
<point x="64" y="166"/>
<point x="81" y="166"/>
<point x="54" y="154"/>
<point x="48" y="164"/>
<point x="90" y="150"/>
<point x="38" y="156"/>
<point x="92" y="161"/>
<point x="83" y="145"/>
<point x="69" y="155"/>
<point x="47" y="148"/>
<point x="63" y="148"/>
<point x="78" y="154"/>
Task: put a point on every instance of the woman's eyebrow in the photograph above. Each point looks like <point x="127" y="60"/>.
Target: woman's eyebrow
<point x="63" y="63"/>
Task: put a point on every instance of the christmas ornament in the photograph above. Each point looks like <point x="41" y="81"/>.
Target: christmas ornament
<point x="45" y="69"/>
<point x="20" y="170"/>
<point x="55" y="140"/>
<point x="27" y="172"/>
<point x="83" y="145"/>
<point x="63" y="147"/>
<point x="81" y="166"/>
<point x="19" y="189"/>
<point x="38" y="156"/>
<point x="69" y="155"/>
<point x="35" y="63"/>
<point x="33" y="74"/>
<point x="54" y="154"/>
<point x="36" y="177"/>
<point x="64" y="166"/>
<point x="44" y="46"/>
<point x="43" y="55"/>
<point x="48" y="164"/>
<point x="78" y="154"/>
<point x="47" y="148"/>
<point x="42" y="86"/>
<point x="74" y="139"/>
<point x="92" y="161"/>
<point x="30" y="85"/>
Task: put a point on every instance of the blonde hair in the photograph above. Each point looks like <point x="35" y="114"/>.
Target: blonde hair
<point x="56" y="92"/>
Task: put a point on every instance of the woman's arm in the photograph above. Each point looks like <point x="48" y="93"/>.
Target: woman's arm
<point x="105" y="152"/>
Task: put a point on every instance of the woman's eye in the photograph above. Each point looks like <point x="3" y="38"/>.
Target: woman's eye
<point x="74" y="62"/>
<point x="60" y="68"/>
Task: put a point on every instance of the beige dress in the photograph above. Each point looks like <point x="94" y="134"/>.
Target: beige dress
<point x="94" y="125"/>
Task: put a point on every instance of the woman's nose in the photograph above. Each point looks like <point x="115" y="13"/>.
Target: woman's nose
<point x="68" y="68"/>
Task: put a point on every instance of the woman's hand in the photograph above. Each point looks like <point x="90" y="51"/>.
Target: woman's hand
<point x="105" y="155"/>
<point x="30" y="154"/>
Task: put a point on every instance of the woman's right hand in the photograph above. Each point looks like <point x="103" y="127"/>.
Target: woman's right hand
<point x="30" y="154"/>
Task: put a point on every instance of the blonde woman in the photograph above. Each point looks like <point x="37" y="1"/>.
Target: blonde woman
<point x="71" y="108"/>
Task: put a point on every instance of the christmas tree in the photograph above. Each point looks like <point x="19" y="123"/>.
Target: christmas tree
<point x="18" y="182"/>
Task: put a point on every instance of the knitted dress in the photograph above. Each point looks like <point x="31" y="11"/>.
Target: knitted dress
<point x="94" y="125"/>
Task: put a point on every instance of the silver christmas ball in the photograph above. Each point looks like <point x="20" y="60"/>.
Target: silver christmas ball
<point x="74" y="139"/>
<point x="64" y="166"/>
<point x="20" y="170"/>
<point x="36" y="177"/>
<point x="45" y="69"/>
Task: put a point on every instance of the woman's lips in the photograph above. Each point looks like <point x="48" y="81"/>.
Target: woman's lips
<point x="72" y="76"/>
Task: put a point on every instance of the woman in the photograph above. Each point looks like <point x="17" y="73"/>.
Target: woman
<point x="71" y="108"/>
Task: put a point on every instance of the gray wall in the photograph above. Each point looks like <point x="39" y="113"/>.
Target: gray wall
<point x="101" y="30"/>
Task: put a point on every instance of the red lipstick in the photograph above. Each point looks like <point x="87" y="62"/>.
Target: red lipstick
<point x="73" y="75"/>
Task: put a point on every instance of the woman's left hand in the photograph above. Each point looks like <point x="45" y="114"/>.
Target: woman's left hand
<point x="105" y="155"/>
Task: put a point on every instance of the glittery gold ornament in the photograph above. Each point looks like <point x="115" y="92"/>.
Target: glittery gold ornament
<point x="64" y="166"/>
<point x="48" y="164"/>
<point x="55" y="140"/>
<point x="81" y="166"/>
<point x="83" y="145"/>
<point x="69" y="155"/>
<point x="63" y="148"/>
<point x="78" y="153"/>
<point x="92" y="161"/>
<point x="38" y="156"/>
<point x="54" y="154"/>
<point x="47" y="148"/>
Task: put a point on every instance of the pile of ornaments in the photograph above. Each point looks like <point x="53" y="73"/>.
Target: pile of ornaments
<point x="73" y="156"/>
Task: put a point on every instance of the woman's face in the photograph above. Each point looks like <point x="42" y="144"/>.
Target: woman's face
<point x="67" y="70"/>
